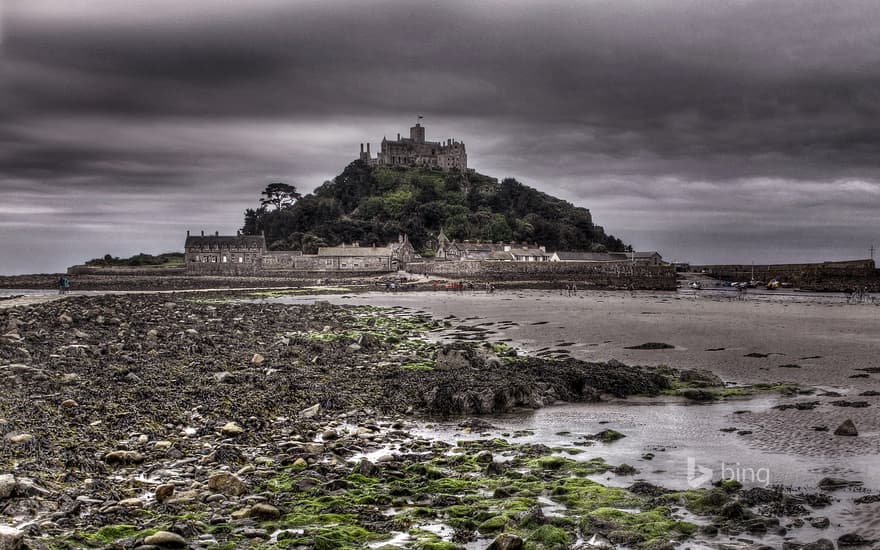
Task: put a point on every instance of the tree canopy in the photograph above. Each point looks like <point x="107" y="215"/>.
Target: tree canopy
<point x="279" y="195"/>
<point x="372" y="205"/>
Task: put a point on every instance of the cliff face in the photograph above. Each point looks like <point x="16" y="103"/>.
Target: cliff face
<point x="372" y="205"/>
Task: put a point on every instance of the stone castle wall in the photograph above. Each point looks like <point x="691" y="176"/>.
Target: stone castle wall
<point x="584" y="274"/>
<point x="830" y="276"/>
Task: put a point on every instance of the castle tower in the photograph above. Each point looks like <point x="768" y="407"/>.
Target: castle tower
<point x="417" y="133"/>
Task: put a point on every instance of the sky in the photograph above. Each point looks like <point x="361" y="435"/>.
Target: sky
<point x="713" y="131"/>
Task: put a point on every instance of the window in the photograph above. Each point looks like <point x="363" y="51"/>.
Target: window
<point x="224" y="259"/>
<point x="240" y="259"/>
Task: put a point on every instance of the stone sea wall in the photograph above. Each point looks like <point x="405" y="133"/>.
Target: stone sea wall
<point x="584" y="274"/>
<point x="826" y="276"/>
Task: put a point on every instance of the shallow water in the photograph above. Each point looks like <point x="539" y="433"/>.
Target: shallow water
<point x="675" y="432"/>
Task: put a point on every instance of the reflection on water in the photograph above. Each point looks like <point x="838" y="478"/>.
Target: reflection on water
<point x="663" y="436"/>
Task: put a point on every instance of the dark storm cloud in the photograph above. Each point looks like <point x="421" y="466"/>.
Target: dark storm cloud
<point x="618" y="105"/>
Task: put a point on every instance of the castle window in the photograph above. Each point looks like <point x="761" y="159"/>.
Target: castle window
<point x="240" y="259"/>
<point x="224" y="259"/>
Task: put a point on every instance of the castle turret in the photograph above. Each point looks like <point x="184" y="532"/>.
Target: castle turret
<point x="417" y="133"/>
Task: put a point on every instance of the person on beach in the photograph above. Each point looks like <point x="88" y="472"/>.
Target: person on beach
<point x="65" y="285"/>
<point x="61" y="285"/>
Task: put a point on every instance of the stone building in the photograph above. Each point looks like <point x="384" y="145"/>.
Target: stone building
<point x="247" y="255"/>
<point x="511" y="252"/>
<point x="224" y="254"/>
<point x="417" y="151"/>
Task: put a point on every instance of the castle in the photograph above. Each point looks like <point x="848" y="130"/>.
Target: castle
<point x="415" y="151"/>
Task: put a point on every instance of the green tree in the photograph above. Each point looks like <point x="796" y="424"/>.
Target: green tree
<point x="279" y="195"/>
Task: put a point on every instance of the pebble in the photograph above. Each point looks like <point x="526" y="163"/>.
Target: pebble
<point x="257" y="359"/>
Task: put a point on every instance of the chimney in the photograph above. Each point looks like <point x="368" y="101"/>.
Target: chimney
<point x="216" y="233"/>
<point x="368" y="149"/>
<point x="203" y="232"/>
<point x="362" y="148"/>
<point x="398" y="136"/>
<point x="187" y="232"/>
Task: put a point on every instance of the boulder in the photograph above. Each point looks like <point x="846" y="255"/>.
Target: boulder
<point x="310" y="412"/>
<point x="227" y="484"/>
<point x="7" y="485"/>
<point x="164" y="492"/>
<point x="257" y="359"/>
<point x="123" y="457"/>
<point x="506" y="541"/>
<point x="848" y="428"/>
<point x="265" y="512"/>
<point x="11" y="538"/>
<point x="366" y="468"/>
<point x="231" y="429"/>
<point x="165" y="539"/>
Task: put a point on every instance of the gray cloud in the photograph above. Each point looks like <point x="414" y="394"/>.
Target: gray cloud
<point x="680" y="124"/>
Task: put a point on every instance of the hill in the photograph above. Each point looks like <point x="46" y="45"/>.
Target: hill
<point x="372" y="205"/>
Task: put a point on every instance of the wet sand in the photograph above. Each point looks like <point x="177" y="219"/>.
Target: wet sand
<point x="814" y="342"/>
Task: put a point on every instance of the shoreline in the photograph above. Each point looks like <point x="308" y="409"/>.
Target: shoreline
<point x="227" y="389"/>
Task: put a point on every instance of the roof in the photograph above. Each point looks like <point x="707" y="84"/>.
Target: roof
<point x="479" y="247"/>
<point x="354" y="251"/>
<point x="501" y="255"/>
<point x="528" y="252"/>
<point x="646" y="254"/>
<point x="587" y="257"/>
<point x="238" y="241"/>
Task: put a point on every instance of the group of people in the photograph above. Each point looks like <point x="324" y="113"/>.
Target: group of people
<point x="63" y="285"/>
<point x="571" y="289"/>
<point x="857" y="295"/>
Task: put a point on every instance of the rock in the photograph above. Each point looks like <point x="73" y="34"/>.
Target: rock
<point x="300" y="463"/>
<point x="366" y="468"/>
<point x="853" y="539"/>
<point x="310" y="412"/>
<point x="265" y="512"/>
<point x="820" y="523"/>
<point x="69" y="404"/>
<point x="257" y="359"/>
<point x="19" y="439"/>
<point x="228" y="484"/>
<point x="165" y="539"/>
<point x="7" y="485"/>
<point x="848" y="428"/>
<point x="597" y="542"/>
<point x="65" y="318"/>
<point x="821" y="544"/>
<point x="11" y="538"/>
<point x="123" y="457"/>
<point x="131" y="503"/>
<point x="164" y="492"/>
<point x="231" y="429"/>
<point x="329" y="435"/>
<point x="506" y="541"/>
<point x="833" y="483"/>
